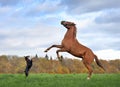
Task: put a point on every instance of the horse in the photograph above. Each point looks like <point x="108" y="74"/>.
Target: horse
<point x="71" y="45"/>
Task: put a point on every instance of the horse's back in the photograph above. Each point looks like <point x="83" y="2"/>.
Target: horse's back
<point x="79" y="50"/>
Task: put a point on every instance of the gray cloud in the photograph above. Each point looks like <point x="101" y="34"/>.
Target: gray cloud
<point x="84" y="6"/>
<point x="101" y="36"/>
<point x="9" y="2"/>
<point x="110" y="16"/>
<point x="46" y="7"/>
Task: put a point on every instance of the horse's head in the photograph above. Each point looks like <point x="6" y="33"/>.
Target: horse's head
<point x="67" y="24"/>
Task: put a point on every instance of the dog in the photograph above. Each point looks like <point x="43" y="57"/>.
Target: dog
<point x="28" y="65"/>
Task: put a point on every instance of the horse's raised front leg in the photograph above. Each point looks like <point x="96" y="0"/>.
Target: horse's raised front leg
<point x="57" y="46"/>
<point x="60" y="50"/>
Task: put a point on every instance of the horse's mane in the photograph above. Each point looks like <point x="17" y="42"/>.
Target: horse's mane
<point x="75" y="31"/>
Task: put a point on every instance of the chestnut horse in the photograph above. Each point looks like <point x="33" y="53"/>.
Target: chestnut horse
<point x="71" y="45"/>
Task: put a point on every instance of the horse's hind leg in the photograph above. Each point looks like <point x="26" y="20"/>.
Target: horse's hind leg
<point x="88" y="66"/>
<point x="57" y="46"/>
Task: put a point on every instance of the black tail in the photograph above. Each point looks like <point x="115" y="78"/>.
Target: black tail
<point x="98" y="63"/>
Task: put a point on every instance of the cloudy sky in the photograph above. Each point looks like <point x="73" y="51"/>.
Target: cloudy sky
<point x="28" y="27"/>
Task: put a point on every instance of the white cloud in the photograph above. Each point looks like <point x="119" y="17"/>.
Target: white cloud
<point x="108" y="54"/>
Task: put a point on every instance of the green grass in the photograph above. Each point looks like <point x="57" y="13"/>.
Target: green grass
<point x="59" y="80"/>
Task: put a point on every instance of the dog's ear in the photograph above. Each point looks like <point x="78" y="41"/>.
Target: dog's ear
<point x="26" y="56"/>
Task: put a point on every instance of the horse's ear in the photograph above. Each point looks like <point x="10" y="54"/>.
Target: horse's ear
<point x="73" y="24"/>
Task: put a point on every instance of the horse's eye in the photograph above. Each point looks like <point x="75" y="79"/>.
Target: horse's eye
<point x="65" y="24"/>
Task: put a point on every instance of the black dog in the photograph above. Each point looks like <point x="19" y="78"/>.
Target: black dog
<point x="28" y="65"/>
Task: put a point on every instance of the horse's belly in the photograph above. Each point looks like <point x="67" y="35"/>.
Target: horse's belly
<point x="77" y="53"/>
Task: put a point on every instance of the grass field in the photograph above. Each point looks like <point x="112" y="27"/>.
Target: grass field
<point x="59" y="80"/>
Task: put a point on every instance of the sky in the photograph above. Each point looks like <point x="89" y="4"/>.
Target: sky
<point x="28" y="27"/>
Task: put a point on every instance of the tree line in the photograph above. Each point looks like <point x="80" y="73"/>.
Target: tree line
<point x="15" y="64"/>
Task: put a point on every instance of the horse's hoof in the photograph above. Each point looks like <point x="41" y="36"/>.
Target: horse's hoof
<point x="45" y="50"/>
<point x="88" y="78"/>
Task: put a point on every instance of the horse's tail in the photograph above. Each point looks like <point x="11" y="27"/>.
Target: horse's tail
<point x="98" y="63"/>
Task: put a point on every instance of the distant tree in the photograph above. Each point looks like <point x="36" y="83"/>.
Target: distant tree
<point x="36" y="56"/>
<point x="115" y="63"/>
<point x="51" y="58"/>
<point x="16" y="64"/>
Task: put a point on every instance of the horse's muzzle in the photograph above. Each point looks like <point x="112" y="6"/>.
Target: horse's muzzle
<point x="62" y="22"/>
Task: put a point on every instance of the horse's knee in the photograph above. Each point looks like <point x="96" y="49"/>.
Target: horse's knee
<point x="58" y="56"/>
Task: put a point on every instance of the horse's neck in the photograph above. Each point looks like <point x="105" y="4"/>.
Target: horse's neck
<point x="71" y="33"/>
